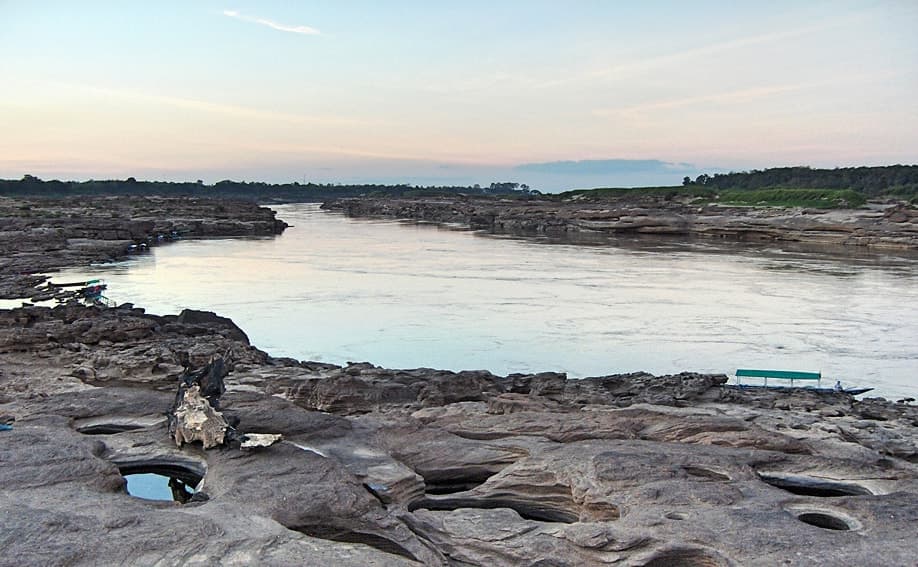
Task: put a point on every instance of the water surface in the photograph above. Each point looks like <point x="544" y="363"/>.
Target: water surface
<point x="149" y="486"/>
<point x="409" y="295"/>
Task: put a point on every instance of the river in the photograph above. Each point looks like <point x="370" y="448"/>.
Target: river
<point x="406" y="295"/>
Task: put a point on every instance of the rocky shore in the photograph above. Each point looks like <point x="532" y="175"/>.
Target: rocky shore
<point x="38" y="235"/>
<point x="422" y="466"/>
<point x="883" y="226"/>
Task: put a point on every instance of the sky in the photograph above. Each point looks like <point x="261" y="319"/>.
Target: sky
<point x="558" y="95"/>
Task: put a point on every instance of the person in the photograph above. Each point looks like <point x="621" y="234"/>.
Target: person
<point x="838" y="386"/>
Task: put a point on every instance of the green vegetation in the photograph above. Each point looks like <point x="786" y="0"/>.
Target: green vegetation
<point x="284" y="192"/>
<point x="813" y="198"/>
<point x="625" y="193"/>
<point x="778" y="187"/>
<point x="702" y="194"/>
<point x="898" y="181"/>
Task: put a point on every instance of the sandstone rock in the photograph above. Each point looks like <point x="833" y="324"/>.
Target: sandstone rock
<point x="423" y="466"/>
<point x="616" y="469"/>
<point x="257" y="440"/>
<point x="41" y="234"/>
<point x="209" y="318"/>
<point x="895" y="228"/>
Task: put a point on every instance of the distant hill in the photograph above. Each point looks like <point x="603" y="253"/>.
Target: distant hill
<point x="258" y="191"/>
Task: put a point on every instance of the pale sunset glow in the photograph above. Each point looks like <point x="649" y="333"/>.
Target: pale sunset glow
<point x="452" y="92"/>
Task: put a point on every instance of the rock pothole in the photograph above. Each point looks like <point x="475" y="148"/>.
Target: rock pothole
<point x="107" y="428"/>
<point x="452" y="484"/>
<point x="824" y="521"/>
<point x="685" y="557"/>
<point x="163" y="480"/>
<point x="824" y="517"/>
<point x="535" y="511"/>
<point x="804" y="485"/>
<point x="111" y="425"/>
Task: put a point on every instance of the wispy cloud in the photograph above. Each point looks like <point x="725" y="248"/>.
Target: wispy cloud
<point x="745" y="95"/>
<point x="304" y="30"/>
<point x="608" y="73"/>
<point x="681" y="55"/>
<point x="720" y="98"/>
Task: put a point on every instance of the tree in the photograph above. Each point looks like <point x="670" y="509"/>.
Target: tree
<point x="686" y="180"/>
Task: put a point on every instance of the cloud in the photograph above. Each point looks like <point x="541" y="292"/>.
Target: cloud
<point x="680" y="55"/>
<point x="304" y="30"/>
<point x="721" y="98"/>
<point x="744" y="95"/>
<point x="606" y="167"/>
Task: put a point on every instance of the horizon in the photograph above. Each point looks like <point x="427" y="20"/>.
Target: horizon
<point x="436" y="183"/>
<point x="557" y="97"/>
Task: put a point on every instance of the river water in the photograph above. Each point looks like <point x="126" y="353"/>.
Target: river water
<point x="405" y="295"/>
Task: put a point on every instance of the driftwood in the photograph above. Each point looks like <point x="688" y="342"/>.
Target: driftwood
<point x="208" y="379"/>
<point x="194" y="415"/>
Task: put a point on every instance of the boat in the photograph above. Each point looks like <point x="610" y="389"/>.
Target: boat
<point x="93" y="289"/>
<point x="85" y="284"/>
<point x="852" y="391"/>
<point x="792" y="375"/>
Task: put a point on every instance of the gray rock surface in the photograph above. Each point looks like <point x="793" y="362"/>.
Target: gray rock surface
<point x="421" y="466"/>
<point x="878" y="226"/>
<point x="386" y="467"/>
<point x="38" y="235"/>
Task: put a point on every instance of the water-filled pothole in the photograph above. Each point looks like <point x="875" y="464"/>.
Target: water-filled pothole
<point x="813" y="486"/>
<point x="161" y="481"/>
<point x="824" y="521"/>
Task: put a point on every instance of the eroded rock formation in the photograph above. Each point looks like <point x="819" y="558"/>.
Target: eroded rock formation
<point x="38" y="235"/>
<point x="385" y="467"/>
<point x="890" y="227"/>
<point x="361" y="465"/>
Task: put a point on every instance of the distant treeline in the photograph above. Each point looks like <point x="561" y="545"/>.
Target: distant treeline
<point x="258" y="191"/>
<point x="889" y="180"/>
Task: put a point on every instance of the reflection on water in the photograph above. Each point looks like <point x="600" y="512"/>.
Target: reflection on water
<point x="409" y="295"/>
<point x="151" y="486"/>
